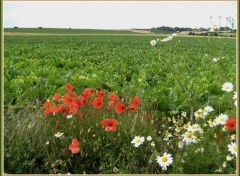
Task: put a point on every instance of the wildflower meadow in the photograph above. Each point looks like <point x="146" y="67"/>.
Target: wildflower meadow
<point x="120" y="105"/>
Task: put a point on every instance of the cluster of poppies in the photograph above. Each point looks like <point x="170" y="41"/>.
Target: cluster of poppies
<point x="70" y="102"/>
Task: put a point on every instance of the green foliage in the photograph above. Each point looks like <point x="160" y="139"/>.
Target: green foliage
<point x="170" y="77"/>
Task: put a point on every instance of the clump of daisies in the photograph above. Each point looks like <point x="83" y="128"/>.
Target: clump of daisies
<point x="154" y="42"/>
<point x="202" y="113"/>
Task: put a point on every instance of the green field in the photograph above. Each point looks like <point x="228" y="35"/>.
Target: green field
<point x="66" y="31"/>
<point x="169" y="78"/>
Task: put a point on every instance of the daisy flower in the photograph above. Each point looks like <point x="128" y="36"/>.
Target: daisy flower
<point x="58" y="134"/>
<point x="228" y="87"/>
<point x="208" y="109"/>
<point x="189" y="137"/>
<point x="69" y="116"/>
<point x="165" y="160"/>
<point x="232" y="148"/>
<point x="153" y="42"/>
<point x="215" y="59"/>
<point x="235" y="96"/>
<point x="184" y="114"/>
<point x="137" y="141"/>
<point x="153" y="144"/>
<point x="221" y="119"/>
<point x="193" y="128"/>
<point x="229" y="158"/>
<point x="149" y="138"/>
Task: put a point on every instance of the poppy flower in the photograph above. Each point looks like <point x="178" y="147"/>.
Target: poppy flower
<point x="48" y="112"/>
<point x="47" y="105"/>
<point x="113" y="97"/>
<point x="97" y="102"/>
<point x="135" y="101"/>
<point x="120" y="107"/>
<point x="231" y="123"/>
<point x="69" y="87"/>
<point x="87" y="92"/>
<point x="57" y="125"/>
<point x="67" y="99"/>
<point x="72" y="94"/>
<point x="110" y="124"/>
<point x="148" y="116"/>
<point x="63" y="152"/>
<point x="101" y="93"/>
<point x="74" y="146"/>
<point x="73" y="107"/>
<point x="78" y="101"/>
<point x="56" y="97"/>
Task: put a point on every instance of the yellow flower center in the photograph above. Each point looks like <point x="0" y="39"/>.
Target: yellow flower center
<point x="194" y="127"/>
<point x="235" y="148"/>
<point x="221" y="119"/>
<point x="164" y="159"/>
<point x="138" y="141"/>
<point x="189" y="134"/>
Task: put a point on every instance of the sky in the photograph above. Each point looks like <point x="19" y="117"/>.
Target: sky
<point x="116" y="14"/>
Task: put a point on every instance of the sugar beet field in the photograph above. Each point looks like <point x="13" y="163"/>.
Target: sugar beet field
<point x="119" y="104"/>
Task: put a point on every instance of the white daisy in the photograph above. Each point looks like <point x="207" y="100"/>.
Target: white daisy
<point x="235" y="102"/>
<point x="199" y="113"/>
<point x="165" y="160"/>
<point x="232" y="148"/>
<point x="228" y="87"/>
<point x="189" y="137"/>
<point x="235" y="96"/>
<point x="137" y="141"/>
<point x="69" y="116"/>
<point x="193" y="128"/>
<point x="153" y="42"/>
<point x="58" y="134"/>
<point x="215" y="59"/>
<point x="184" y="114"/>
<point x="224" y="164"/>
<point x="153" y="144"/>
<point x="229" y="158"/>
<point x="149" y="138"/>
<point x="208" y="109"/>
<point x="221" y="119"/>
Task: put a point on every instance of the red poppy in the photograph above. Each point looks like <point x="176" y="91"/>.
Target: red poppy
<point x="72" y="94"/>
<point x="67" y="99"/>
<point x="135" y="101"/>
<point x="63" y="152"/>
<point x="148" y="116"/>
<point x="69" y="87"/>
<point x="97" y="102"/>
<point x="57" y="125"/>
<point x="47" y="105"/>
<point x="74" y="146"/>
<point x="78" y="101"/>
<point x="101" y="93"/>
<point x="87" y="92"/>
<point x="56" y="97"/>
<point x="120" y="107"/>
<point x="113" y="97"/>
<point x="73" y="107"/>
<point x="48" y="112"/>
<point x="231" y="123"/>
<point x="110" y="124"/>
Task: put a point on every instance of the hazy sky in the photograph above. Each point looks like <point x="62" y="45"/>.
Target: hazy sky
<point x="116" y="15"/>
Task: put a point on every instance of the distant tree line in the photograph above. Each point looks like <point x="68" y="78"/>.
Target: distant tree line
<point x="166" y="29"/>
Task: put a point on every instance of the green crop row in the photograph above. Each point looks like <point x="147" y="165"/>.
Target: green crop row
<point x="174" y="76"/>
